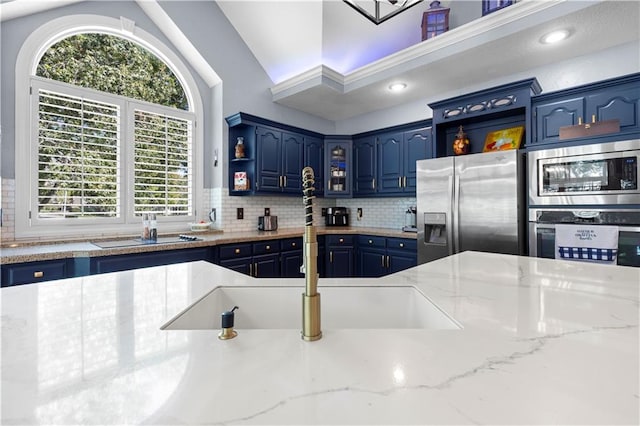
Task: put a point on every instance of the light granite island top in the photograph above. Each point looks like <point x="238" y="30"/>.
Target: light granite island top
<point x="542" y="342"/>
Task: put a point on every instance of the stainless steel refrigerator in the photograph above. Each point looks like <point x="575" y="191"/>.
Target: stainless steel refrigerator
<point x="471" y="202"/>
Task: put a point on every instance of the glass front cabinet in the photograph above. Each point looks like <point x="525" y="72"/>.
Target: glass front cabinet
<point x="338" y="167"/>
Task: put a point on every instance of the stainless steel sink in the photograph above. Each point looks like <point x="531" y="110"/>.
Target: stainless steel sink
<point x="138" y="242"/>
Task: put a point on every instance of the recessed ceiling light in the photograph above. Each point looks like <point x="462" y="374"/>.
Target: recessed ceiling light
<point x="554" y="36"/>
<point x="397" y="87"/>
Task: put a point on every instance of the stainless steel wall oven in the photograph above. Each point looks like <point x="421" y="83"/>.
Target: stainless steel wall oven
<point x="594" y="184"/>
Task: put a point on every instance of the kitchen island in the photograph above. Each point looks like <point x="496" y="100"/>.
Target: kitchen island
<point x="541" y="342"/>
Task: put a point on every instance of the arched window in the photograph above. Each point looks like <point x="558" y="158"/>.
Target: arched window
<point x="112" y="136"/>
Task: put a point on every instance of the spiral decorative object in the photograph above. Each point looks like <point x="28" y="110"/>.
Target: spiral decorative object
<point x="308" y="182"/>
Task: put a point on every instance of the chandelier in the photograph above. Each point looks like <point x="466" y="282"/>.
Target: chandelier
<point x="378" y="11"/>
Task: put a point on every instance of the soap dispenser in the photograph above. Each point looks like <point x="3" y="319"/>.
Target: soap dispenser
<point x="227" y="325"/>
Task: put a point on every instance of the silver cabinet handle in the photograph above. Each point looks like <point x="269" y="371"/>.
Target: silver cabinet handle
<point x="330" y="257"/>
<point x="251" y="269"/>
<point x="256" y="270"/>
<point x="404" y="182"/>
<point x="401" y="244"/>
<point x="38" y="274"/>
<point x="382" y="258"/>
<point x="399" y="181"/>
<point x="374" y="183"/>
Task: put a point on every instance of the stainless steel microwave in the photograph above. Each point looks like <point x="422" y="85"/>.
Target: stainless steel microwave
<point x="602" y="174"/>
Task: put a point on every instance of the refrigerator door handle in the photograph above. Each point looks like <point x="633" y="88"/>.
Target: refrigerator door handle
<point x="455" y="215"/>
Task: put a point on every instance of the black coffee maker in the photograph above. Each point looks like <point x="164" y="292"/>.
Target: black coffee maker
<point x="337" y="216"/>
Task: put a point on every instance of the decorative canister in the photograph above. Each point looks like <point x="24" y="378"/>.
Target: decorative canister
<point x="461" y="144"/>
<point x="240" y="147"/>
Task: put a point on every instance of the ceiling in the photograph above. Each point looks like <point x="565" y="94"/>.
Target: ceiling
<point x="327" y="60"/>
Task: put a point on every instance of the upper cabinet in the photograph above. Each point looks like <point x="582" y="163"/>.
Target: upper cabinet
<point x="481" y="113"/>
<point x="338" y="166"/>
<point x="314" y="158"/>
<point x="273" y="156"/>
<point x="279" y="160"/>
<point x="385" y="161"/>
<point x="615" y="99"/>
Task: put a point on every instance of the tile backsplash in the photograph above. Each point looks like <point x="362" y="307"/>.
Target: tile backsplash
<point x="376" y="212"/>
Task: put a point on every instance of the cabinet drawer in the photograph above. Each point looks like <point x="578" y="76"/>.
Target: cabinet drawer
<point x="291" y="244"/>
<point x="340" y="240"/>
<point x="232" y="251"/>
<point x="266" y="247"/>
<point x="33" y="272"/>
<point x="371" y="241"/>
<point x="402" y="244"/>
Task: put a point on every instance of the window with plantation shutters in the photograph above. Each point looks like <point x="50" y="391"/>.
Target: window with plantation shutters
<point x="106" y="130"/>
<point x="78" y="157"/>
<point x="162" y="167"/>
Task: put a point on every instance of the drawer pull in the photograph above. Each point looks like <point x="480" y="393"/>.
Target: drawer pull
<point x="38" y="274"/>
<point x="268" y="247"/>
<point x="237" y="251"/>
<point x="370" y="242"/>
<point x="401" y="244"/>
<point x="341" y="240"/>
<point x="293" y="244"/>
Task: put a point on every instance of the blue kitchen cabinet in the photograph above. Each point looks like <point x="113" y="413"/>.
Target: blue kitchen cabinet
<point x="259" y="259"/>
<point x="338" y="166"/>
<point x="123" y="262"/>
<point x="314" y="158"/>
<point x="385" y="161"/>
<point x="482" y="112"/>
<point x="614" y="99"/>
<point x="402" y="253"/>
<point x="275" y="155"/>
<point x="35" y="272"/>
<point x="364" y="165"/>
<point x="378" y="256"/>
<point x="339" y="256"/>
<point x="390" y="163"/>
<point x="417" y="146"/>
<point x="279" y="160"/>
<point x="397" y="156"/>
<point x="291" y="257"/>
<point x="371" y="257"/>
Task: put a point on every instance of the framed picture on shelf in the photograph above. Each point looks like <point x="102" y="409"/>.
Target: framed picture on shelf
<point x="505" y="139"/>
<point x="489" y="6"/>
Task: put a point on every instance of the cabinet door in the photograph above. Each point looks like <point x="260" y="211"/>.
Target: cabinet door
<point x="622" y="104"/>
<point x="364" y="165"/>
<point x="269" y="159"/>
<point x="290" y="262"/>
<point x="390" y="163"/>
<point x="33" y="272"/>
<point x="244" y="265"/>
<point x="104" y="264"/>
<point x="292" y="160"/>
<point x="371" y="262"/>
<point x="339" y="262"/>
<point x="266" y="266"/>
<point x="550" y="116"/>
<point x="417" y="146"/>
<point x="399" y="261"/>
<point x="314" y="158"/>
<point x="338" y="168"/>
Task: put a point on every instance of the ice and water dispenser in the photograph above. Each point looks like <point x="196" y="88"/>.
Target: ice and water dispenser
<point x="435" y="228"/>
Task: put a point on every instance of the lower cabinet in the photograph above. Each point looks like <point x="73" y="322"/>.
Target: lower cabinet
<point x="291" y="258"/>
<point x="34" y="272"/>
<point x="339" y="256"/>
<point x="378" y="256"/>
<point x="123" y="262"/>
<point x="259" y="259"/>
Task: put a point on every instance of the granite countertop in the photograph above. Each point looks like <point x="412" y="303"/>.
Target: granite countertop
<point x="31" y="252"/>
<point x="542" y="342"/>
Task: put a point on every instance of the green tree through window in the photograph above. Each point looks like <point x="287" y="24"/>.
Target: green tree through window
<point x="114" y="65"/>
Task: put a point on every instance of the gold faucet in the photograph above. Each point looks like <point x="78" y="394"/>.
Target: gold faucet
<point x="310" y="298"/>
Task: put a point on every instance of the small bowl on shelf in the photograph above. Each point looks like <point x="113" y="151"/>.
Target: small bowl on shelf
<point x="200" y="227"/>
